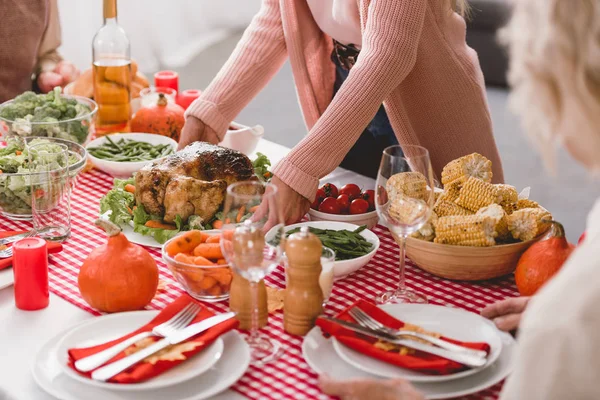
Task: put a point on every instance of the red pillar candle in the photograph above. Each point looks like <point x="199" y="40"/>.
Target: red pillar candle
<point x="187" y="97"/>
<point x="169" y="79"/>
<point x="30" y="266"/>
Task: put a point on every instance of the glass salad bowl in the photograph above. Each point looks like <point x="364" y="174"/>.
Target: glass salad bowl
<point x="15" y="191"/>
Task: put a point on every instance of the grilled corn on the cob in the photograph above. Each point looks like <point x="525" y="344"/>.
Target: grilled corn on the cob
<point x="528" y="223"/>
<point x="470" y="230"/>
<point x="427" y="231"/>
<point x="496" y="212"/>
<point x="507" y="194"/>
<point x="411" y="184"/>
<point x="445" y="208"/>
<point x="476" y="194"/>
<point x="462" y="168"/>
<point x="407" y="210"/>
<point x="519" y="205"/>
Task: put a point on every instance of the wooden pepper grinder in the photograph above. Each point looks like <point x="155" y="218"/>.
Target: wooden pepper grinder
<point x="303" y="301"/>
<point x="240" y="301"/>
<point x="248" y="244"/>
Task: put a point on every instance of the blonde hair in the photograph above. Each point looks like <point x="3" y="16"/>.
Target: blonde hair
<point x="461" y="7"/>
<point x="554" y="48"/>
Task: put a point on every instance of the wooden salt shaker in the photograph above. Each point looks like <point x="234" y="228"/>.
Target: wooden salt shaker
<point x="303" y="301"/>
<point x="240" y="301"/>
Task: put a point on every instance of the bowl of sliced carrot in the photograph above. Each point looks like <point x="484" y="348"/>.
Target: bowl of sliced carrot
<point x="197" y="263"/>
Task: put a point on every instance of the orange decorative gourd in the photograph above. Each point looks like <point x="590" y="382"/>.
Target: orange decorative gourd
<point x="119" y="275"/>
<point x="542" y="260"/>
<point x="162" y="118"/>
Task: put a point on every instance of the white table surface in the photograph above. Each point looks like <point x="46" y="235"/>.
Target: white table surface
<point x="22" y="333"/>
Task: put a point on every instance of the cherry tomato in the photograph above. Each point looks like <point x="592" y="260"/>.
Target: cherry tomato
<point x="359" y="206"/>
<point x="581" y="238"/>
<point x="352" y="190"/>
<point x="344" y="202"/>
<point x="329" y="206"/>
<point x="330" y="190"/>
<point x="318" y="199"/>
<point x="369" y="196"/>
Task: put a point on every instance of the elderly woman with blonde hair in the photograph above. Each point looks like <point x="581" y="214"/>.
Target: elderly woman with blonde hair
<point x="555" y="74"/>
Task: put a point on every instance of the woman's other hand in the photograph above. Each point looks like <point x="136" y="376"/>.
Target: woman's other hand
<point x="506" y="314"/>
<point x="195" y="130"/>
<point x="64" y="73"/>
<point x="292" y="204"/>
<point x="368" y="389"/>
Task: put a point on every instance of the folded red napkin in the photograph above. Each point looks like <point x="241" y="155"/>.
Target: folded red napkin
<point x="418" y="361"/>
<point x="165" y="359"/>
<point x="7" y="262"/>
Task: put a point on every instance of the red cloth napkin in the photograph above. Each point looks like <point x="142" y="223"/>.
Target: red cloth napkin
<point x="146" y="370"/>
<point x="419" y="361"/>
<point x="7" y="262"/>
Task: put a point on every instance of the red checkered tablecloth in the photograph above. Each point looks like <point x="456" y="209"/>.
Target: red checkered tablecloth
<point x="290" y="377"/>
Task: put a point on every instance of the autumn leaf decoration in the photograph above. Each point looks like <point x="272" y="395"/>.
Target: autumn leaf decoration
<point x="171" y="353"/>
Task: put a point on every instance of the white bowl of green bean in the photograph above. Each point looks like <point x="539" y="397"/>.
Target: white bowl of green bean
<point x="352" y="253"/>
<point x="123" y="154"/>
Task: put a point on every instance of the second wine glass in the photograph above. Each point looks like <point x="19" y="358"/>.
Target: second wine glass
<point x="404" y="201"/>
<point x="250" y="209"/>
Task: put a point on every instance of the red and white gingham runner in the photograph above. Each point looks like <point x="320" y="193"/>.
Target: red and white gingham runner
<point x="290" y="377"/>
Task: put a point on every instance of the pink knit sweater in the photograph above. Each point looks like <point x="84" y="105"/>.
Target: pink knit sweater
<point x="414" y="60"/>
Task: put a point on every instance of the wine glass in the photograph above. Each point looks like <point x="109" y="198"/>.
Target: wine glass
<point x="404" y="199"/>
<point x="244" y="246"/>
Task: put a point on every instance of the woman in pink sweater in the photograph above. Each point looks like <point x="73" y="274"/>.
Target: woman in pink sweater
<point x="413" y="59"/>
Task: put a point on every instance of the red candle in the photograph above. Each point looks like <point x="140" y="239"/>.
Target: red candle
<point x="187" y="97"/>
<point x="30" y="266"/>
<point x="169" y="79"/>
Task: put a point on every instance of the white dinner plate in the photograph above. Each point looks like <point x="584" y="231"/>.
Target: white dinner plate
<point x="450" y="322"/>
<point x="109" y="327"/>
<point x="322" y="358"/>
<point x="50" y="376"/>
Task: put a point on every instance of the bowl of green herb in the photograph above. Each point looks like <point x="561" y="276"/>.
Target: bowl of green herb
<point x="52" y="115"/>
<point x="123" y="154"/>
<point x="354" y="245"/>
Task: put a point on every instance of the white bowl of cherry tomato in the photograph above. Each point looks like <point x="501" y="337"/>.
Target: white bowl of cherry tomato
<point x="348" y="204"/>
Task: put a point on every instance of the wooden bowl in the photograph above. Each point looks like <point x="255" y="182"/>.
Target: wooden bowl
<point x="466" y="263"/>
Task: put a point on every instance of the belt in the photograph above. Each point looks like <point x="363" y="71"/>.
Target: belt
<point x="347" y="55"/>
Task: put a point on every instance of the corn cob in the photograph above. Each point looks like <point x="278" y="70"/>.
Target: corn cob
<point x="507" y="194"/>
<point x="476" y="194"/>
<point x="407" y="210"/>
<point x="462" y="168"/>
<point x="496" y="212"/>
<point x="445" y="208"/>
<point x="519" y="205"/>
<point x="411" y="184"/>
<point x="452" y="190"/>
<point x="427" y="231"/>
<point x="528" y="223"/>
<point x="470" y="230"/>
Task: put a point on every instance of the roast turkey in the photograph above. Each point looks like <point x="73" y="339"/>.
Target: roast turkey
<point x="192" y="181"/>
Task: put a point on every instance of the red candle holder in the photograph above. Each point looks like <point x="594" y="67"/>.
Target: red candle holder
<point x="187" y="97"/>
<point x="169" y="79"/>
<point x="30" y="267"/>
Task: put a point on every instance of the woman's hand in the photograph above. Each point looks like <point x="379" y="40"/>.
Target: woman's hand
<point x="64" y="73"/>
<point x="195" y="130"/>
<point x="506" y="314"/>
<point x="368" y="389"/>
<point x="292" y="204"/>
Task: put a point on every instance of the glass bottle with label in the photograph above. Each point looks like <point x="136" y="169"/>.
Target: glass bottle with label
<point x="112" y="74"/>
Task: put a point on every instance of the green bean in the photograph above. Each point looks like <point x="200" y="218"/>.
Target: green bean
<point x="346" y="244"/>
<point x="126" y="150"/>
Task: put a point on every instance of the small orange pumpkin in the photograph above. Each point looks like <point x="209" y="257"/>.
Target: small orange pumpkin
<point x="162" y="118"/>
<point x="119" y="275"/>
<point x="542" y="260"/>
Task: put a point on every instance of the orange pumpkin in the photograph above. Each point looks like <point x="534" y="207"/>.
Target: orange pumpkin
<point x="119" y="275"/>
<point x="542" y="260"/>
<point x="162" y="118"/>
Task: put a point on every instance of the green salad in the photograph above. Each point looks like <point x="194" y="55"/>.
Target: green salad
<point x="121" y="207"/>
<point x="49" y="115"/>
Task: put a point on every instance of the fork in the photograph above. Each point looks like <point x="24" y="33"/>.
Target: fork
<point x="8" y="252"/>
<point x="178" y="321"/>
<point x="369" y="322"/>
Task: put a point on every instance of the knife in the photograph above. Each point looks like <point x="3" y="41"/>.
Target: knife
<point x="463" y="358"/>
<point x="112" y="369"/>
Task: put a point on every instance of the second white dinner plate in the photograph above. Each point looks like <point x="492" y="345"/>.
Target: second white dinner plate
<point x="109" y="327"/>
<point x="450" y="322"/>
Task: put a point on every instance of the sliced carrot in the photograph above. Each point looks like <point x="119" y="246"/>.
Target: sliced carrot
<point x="205" y="237"/>
<point x="227" y="235"/>
<point x="222" y="261"/>
<point x="209" y="250"/>
<point x="215" y="291"/>
<point x="185" y="243"/>
<point x="254" y="209"/>
<point x="227" y="221"/>
<point x="213" y="239"/>
<point x="129" y="210"/>
<point x="202" y="261"/>
<point x="218" y="224"/>
<point x="184" y="258"/>
<point x="222" y="275"/>
<point x="18" y="152"/>
<point x="159" y="225"/>
<point x="240" y="214"/>
<point x="207" y="283"/>
<point x="129" y="188"/>
<point x="134" y="208"/>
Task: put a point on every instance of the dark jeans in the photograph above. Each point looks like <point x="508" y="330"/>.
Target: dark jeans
<point x="364" y="157"/>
